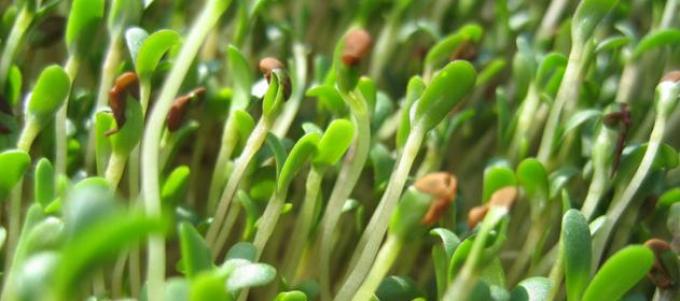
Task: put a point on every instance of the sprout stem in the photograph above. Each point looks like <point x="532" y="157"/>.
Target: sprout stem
<point x="622" y="200"/>
<point x="383" y="262"/>
<point x="115" y="169"/>
<point x="375" y="230"/>
<point x="292" y="106"/>
<point x="349" y="175"/>
<point x="109" y="69"/>
<point x="303" y="223"/>
<point x="23" y="20"/>
<point x="151" y="142"/>
<point x="254" y="143"/>
<point x="61" y="118"/>
<point x="229" y="140"/>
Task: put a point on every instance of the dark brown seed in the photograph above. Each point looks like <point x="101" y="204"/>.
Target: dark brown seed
<point x="268" y="65"/>
<point x="125" y="84"/>
<point x="504" y="197"/>
<point x="476" y="215"/>
<point x="673" y="76"/>
<point x="466" y="51"/>
<point x="442" y="187"/>
<point x="658" y="274"/>
<point x="180" y="106"/>
<point x="358" y="43"/>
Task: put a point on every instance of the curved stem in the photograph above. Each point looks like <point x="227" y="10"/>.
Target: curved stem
<point x="292" y="106"/>
<point x="383" y="262"/>
<point x="568" y="92"/>
<point x="152" y="135"/>
<point x="109" y="68"/>
<point x="254" y="143"/>
<point x="21" y="23"/>
<point x="621" y="201"/>
<point x="115" y="169"/>
<point x="269" y="219"/>
<point x="227" y="145"/>
<point x="303" y="224"/>
<point x="61" y="118"/>
<point x="344" y="184"/>
<point x="373" y="234"/>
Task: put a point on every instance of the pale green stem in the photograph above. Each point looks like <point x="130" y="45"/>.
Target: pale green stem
<point x="383" y="262"/>
<point x="598" y="187"/>
<point x="269" y="219"/>
<point x="621" y="201"/>
<point x="229" y="221"/>
<point x="21" y="23"/>
<point x="60" y="136"/>
<point x="468" y="276"/>
<point x="133" y="186"/>
<point x="108" y="74"/>
<point x="383" y="47"/>
<point x="568" y="92"/>
<point x="254" y="143"/>
<point x="550" y="20"/>
<point x="152" y="136"/>
<point x="115" y="169"/>
<point x="556" y="274"/>
<point x="523" y="132"/>
<point x="375" y="230"/>
<point x="292" y="106"/>
<point x="303" y="223"/>
<point x="347" y="178"/>
<point x="227" y="145"/>
<point x="528" y="249"/>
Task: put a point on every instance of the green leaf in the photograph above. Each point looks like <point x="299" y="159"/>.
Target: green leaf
<point x="245" y="125"/>
<point x="668" y="198"/>
<point x="612" y="43"/>
<point x="90" y="201"/>
<point x="579" y="118"/>
<point x="82" y="26"/>
<point x="175" y="185"/>
<point x="588" y="15"/>
<point x="242" y="250"/>
<point x="657" y="39"/>
<point x="196" y="256"/>
<point x="176" y="289"/>
<point x="102" y="124"/>
<point x="209" y="286"/>
<point x="532" y="289"/>
<point x="14" y="164"/>
<point x="406" y="219"/>
<point x="329" y="98"/>
<point x="548" y="67"/>
<point x="576" y="243"/>
<point x="44" y="184"/>
<point x="34" y="277"/>
<point x="274" y="144"/>
<point x="449" y="240"/>
<point x="334" y="142"/>
<point x="14" y="84"/>
<point x="446" y="47"/>
<point x="369" y="91"/>
<point x="620" y="273"/>
<point x="49" y="93"/>
<point x="152" y="51"/>
<point x="250" y="275"/>
<point x="395" y="288"/>
<point x="446" y="90"/>
<point x="134" y="38"/>
<point x="242" y="78"/>
<point x="99" y="243"/>
<point x="291" y="296"/>
<point x="416" y="87"/>
<point x="274" y="97"/>
<point x="533" y="178"/>
<point x="497" y="176"/>
<point x="302" y="151"/>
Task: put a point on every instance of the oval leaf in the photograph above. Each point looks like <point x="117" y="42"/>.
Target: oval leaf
<point x="14" y="163"/>
<point x="576" y="244"/>
<point x="620" y="273"/>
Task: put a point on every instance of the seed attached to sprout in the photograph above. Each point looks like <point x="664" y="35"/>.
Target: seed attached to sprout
<point x="357" y="45"/>
<point x="126" y="84"/>
<point x="476" y="215"/>
<point x="442" y="187"/>
<point x="180" y="106"/>
<point x="658" y="274"/>
<point x="673" y="76"/>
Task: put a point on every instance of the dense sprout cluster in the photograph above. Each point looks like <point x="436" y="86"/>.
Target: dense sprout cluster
<point x="340" y="150"/>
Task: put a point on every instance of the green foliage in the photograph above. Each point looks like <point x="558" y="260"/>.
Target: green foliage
<point x="620" y="273"/>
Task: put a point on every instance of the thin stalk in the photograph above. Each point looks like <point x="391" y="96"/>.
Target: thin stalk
<point x="383" y="47"/>
<point x="112" y="59"/>
<point x="556" y="274"/>
<point x="269" y="219"/>
<point x="229" y="221"/>
<point x="523" y="132"/>
<point x="292" y="106"/>
<point x="621" y="201"/>
<point x="254" y="143"/>
<point x="375" y="230"/>
<point x="303" y="223"/>
<point x="115" y="169"/>
<point x="528" y="249"/>
<point x="468" y="276"/>
<point x="23" y="20"/>
<point x="61" y="138"/>
<point x="383" y="262"/>
<point x="227" y="146"/>
<point x="152" y="136"/>
<point x="550" y="20"/>
<point x="349" y="175"/>
<point x="568" y="92"/>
